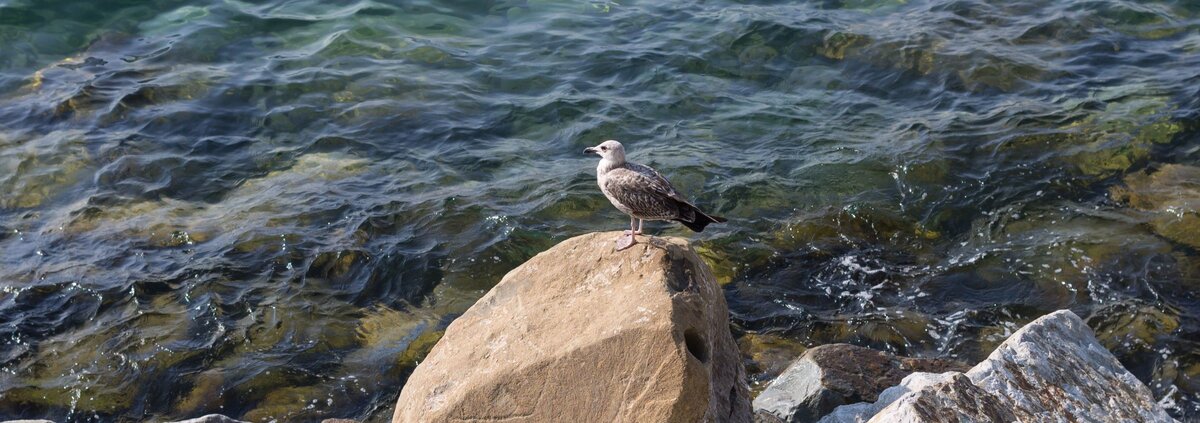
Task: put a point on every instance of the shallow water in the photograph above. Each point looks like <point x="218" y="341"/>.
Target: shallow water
<point x="271" y="209"/>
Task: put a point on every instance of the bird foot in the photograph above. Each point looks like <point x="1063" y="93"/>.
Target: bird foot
<point x="625" y="241"/>
<point x="637" y="232"/>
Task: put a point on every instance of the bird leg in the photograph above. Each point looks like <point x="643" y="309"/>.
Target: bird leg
<point x="639" y="229"/>
<point x="627" y="240"/>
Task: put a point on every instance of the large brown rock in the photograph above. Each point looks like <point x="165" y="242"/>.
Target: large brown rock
<point x="582" y="333"/>
<point x="828" y="376"/>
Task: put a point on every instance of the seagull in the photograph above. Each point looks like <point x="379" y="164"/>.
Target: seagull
<point x="642" y="193"/>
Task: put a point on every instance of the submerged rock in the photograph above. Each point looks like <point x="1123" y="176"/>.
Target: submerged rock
<point x="42" y="167"/>
<point x="1131" y="328"/>
<point x="584" y="333"/>
<point x="831" y="375"/>
<point x="766" y="357"/>
<point x="1107" y="142"/>
<point x="1172" y="196"/>
<point x="1054" y="369"/>
<point x="207" y="389"/>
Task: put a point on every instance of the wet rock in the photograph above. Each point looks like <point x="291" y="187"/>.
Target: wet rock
<point x="953" y="400"/>
<point x="835" y="226"/>
<point x="212" y="418"/>
<point x="863" y="411"/>
<point x="1172" y="197"/>
<point x="584" y="333"/>
<point x="1172" y="185"/>
<point x="767" y="356"/>
<point x="1061" y="251"/>
<point x="42" y="168"/>
<point x="1054" y="369"/>
<point x="266" y="202"/>
<point x="338" y="266"/>
<point x="419" y="348"/>
<point x="1108" y="142"/>
<point x="761" y="416"/>
<point x="64" y="369"/>
<point x="1109" y="154"/>
<point x="205" y="393"/>
<point x="295" y="403"/>
<point x="1131" y="328"/>
<point x="757" y="55"/>
<point x="837" y="44"/>
<point x="719" y="262"/>
<point x="831" y="375"/>
<point x="1122" y="135"/>
<point x="730" y="260"/>
<point x="281" y="390"/>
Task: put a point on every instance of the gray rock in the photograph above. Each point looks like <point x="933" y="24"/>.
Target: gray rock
<point x="863" y="411"/>
<point x="1054" y="370"/>
<point x="953" y="400"/>
<point x="761" y="416"/>
<point x="831" y="375"/>
<point x="28" y="421"/>
<point x="212" y="418"/>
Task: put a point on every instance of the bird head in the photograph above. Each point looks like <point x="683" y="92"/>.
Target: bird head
<point x="608" y="150"/>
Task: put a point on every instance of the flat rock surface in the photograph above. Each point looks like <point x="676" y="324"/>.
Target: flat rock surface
<point x="585" y="333"/>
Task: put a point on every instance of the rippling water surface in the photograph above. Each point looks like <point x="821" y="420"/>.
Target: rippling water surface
<point x="271" y="209"/>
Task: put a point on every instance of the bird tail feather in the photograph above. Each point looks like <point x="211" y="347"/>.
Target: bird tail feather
<point x="701" y="220"/>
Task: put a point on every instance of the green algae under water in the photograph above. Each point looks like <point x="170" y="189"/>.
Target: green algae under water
<point x="272" y="209"/>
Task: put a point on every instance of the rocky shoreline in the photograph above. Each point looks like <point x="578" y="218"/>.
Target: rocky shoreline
<point x="584" y="333"/>
<point x="1053" y="369"/>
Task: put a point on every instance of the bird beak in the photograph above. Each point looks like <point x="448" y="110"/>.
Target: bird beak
<point x="589" y="150"/>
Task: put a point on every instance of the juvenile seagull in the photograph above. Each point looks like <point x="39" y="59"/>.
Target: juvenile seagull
<point x="642" y="193"/>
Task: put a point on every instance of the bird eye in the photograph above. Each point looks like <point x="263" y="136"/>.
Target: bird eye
<point x="604" y="148"/>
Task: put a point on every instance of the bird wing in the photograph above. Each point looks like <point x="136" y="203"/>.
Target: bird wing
<point x="646" y="192"/>
<point x="658" y="181"/>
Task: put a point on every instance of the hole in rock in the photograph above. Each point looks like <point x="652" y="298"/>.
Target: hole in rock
<point x="696" y="345"/>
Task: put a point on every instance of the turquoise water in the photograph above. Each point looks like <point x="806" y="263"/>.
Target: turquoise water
<point x="271" y="209"/>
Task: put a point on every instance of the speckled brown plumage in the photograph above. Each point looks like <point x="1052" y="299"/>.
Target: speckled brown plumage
<point x="642" y="192"/>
